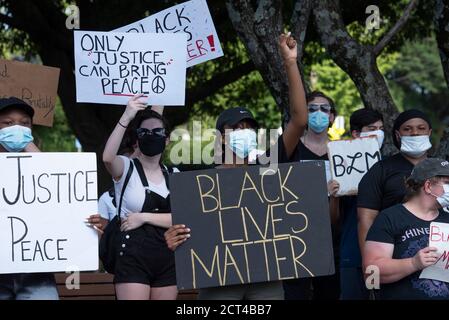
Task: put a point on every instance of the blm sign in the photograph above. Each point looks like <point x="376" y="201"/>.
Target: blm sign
<point x="252" y="226"/>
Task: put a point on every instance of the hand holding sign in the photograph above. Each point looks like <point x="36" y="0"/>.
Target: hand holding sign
<point x="425" y="257"/>
<point x="435" y="260"/>
<point x="135" y="104"/>
<point x="176" y="235"/>
<point x="332" y="187"/>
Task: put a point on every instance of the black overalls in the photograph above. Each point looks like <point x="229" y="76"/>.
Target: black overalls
<point x="143" y="255"/>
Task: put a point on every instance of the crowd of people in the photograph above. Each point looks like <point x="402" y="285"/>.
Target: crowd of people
<point x="399" y="195"/>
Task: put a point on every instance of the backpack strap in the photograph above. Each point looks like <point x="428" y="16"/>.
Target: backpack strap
<point x="111" y="193"/>
<point x="143" y="177"/>
<point x="165" y="171"/>
<point x="125" y="183"/>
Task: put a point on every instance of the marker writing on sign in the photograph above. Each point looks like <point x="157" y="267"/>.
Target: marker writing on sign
<point x="174" y="22"/>
<point x="341" y="168"/>
<point x="268" y="225"/>
<point x="46" y="249"/>
<point x="55" y="187"/>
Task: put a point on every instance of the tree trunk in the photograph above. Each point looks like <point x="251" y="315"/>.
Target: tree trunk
<point x="259" y="30"/>
<point x="441" y="19"/>
<point x="358" y="61"/>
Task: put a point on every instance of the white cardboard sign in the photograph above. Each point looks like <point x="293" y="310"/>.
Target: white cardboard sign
<point x="44" y="200"/>
<point x="438" y="238"/>
<point x="350" y="160"/>
<point x="191" y="17"/>
<point x="112" y="67"/>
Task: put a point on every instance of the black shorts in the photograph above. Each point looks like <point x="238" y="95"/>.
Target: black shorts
<point x="143" y="257"/>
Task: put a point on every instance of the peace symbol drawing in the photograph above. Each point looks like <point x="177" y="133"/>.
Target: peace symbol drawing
<point x="158" y="84"/>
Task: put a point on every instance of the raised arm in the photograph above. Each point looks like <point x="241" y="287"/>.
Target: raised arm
<point x="110" y="158"/>
<point x="296" y="93"/>
<point x="158" y="109"/>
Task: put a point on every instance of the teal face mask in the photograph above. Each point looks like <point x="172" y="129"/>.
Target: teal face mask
<point x="242" y="142"/>
<point x="318" y="121"/>
<point x="15" y="138"/>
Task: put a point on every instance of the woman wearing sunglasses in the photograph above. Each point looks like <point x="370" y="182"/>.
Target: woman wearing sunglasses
<point x="312" y="147"/>
<point x="145" y="267"/>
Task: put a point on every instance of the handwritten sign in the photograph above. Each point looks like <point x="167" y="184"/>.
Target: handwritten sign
<point x="249" y="227"/>
<point x="350" y="160"/>
<point x="35" y="84"/>
<point x="191" y="17"/>
<point x="112" y="67"/>
<point x="438" y="238"/>
<point x="44" y="200"/>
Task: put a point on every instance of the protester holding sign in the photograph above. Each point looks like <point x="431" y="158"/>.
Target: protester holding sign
<point x="238" y="137"/>
<point x="383" y="185"/>
<point x="363" y="123"/>
<point x="397" y="242"/>
<point x="16" y="118"/>
<point x="145" y="268"/>
<point x="313" y="146"/>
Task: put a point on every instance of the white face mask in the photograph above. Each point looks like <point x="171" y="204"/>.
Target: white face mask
<point x="380" y="136"/>
<point x="443" y="200"/>
<point x="415" y="146"/>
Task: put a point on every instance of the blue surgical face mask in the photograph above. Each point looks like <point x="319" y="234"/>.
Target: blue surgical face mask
<point x="318" y="121"/>
<point x="242" y="142"/>
<point x="15" y="138"/>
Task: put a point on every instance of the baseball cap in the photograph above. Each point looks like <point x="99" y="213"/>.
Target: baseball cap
<point x="233" y="116"/>
<point x="429" y="168"/>
<point x="17" y="103"/>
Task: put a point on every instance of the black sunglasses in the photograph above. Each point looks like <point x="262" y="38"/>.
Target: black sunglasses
<point x="313" y="107"/>
<point x="143" y="132"/>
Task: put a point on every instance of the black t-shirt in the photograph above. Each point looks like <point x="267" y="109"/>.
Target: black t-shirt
<point x="281" y="156"/>
<point x="383" y="185"/>
<point x="408" y="234"/>
<point x="301" y="152"/>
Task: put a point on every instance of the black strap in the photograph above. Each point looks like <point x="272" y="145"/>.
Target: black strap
<point x="141" y="173"/>
<point x="166" y="171"/>
<point x="143" y="177"/>
<point x="125" y="183"/>
<point x="111" y="193"/>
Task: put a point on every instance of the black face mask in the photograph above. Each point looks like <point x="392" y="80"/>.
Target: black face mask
<point x="151" y="145"/>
